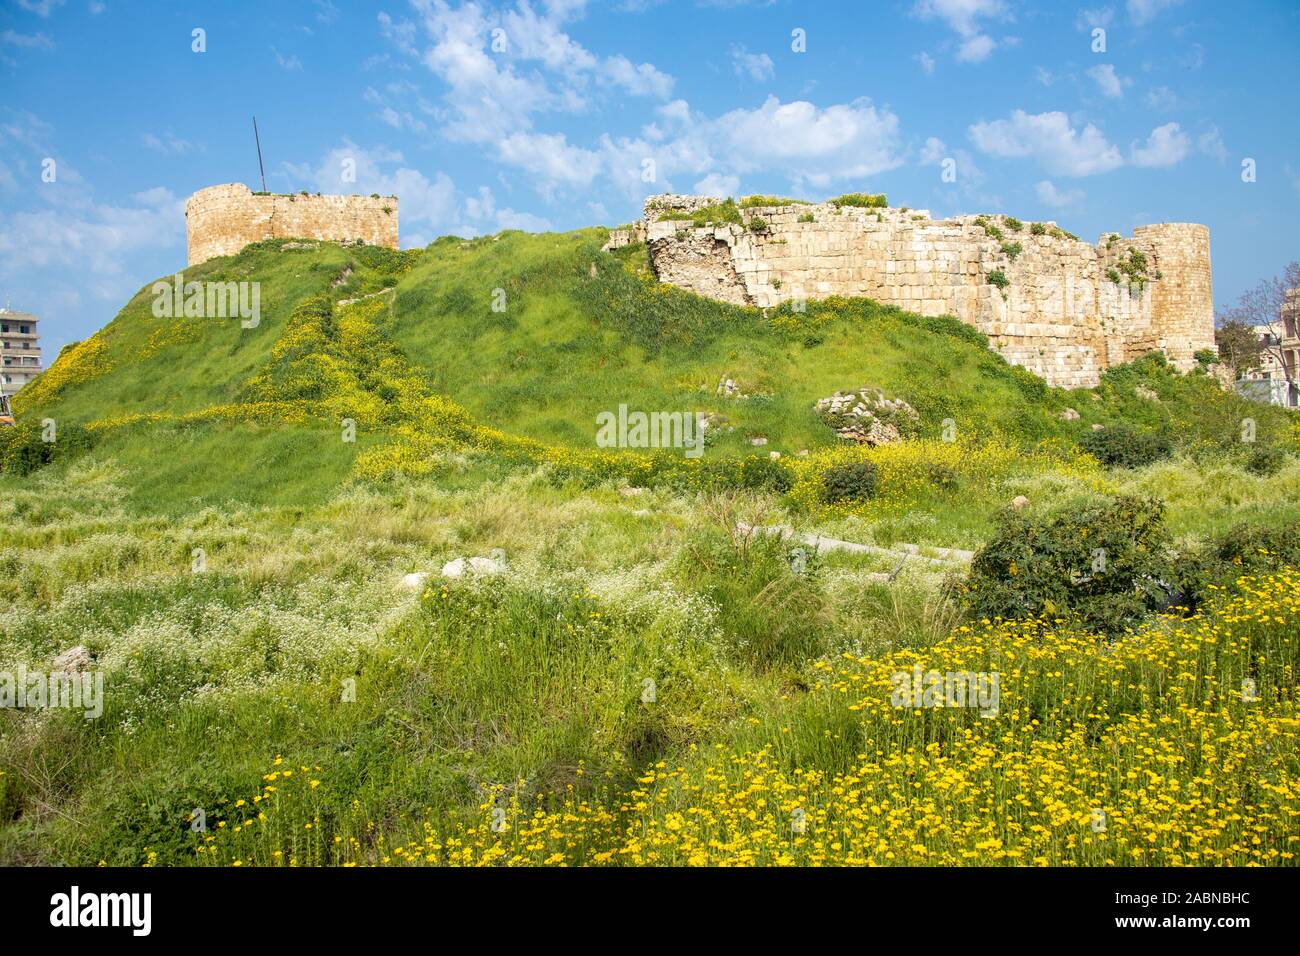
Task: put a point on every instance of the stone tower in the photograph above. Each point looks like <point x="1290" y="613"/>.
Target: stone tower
<point x="221" y="220"/>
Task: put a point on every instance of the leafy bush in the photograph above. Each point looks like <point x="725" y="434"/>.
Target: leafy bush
<point x="851" y="481"/>
<point x="1252" y="549"/>
<point x="724" y="212"/>
<point x="1037" y="229"/>
<point x="1012" y="249"/>
<point x="750" y="201"/>
<point x="22" y="450"/>
<point x="806" y="217"/>
<point x="861" y="200"/>
<point x="1265" y="460"/>
<point x="1122" y="446"/>
<point x="1206" y="356"/>
<point x="998" y="278"/>
<point x="765" y="474"/>
<point x="1012" y="223"/>
<point x="943" y="477"/>
<point x="769" y="613"/>
<point x="1107" y="564"/>
<point x="757" y="224"/>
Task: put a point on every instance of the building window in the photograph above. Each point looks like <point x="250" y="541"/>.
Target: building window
<point x="22" y="329"/>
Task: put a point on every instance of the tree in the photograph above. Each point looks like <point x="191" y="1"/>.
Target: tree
<point x="1262" y="306"/>
<point x="1239" y="346"/>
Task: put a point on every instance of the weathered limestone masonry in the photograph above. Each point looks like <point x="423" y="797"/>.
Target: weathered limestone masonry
<point x="221" y="220"/>
<point x="1061" y="315"/>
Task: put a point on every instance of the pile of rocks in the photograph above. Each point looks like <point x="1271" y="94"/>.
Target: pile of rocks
<point x="868" y="417"/>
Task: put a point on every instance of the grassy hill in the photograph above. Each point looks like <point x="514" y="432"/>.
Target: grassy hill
<point x="232" y="563"/>
<point x="575" y="332"/>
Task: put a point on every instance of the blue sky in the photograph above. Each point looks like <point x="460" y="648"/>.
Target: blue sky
<point x="548" y="115"/>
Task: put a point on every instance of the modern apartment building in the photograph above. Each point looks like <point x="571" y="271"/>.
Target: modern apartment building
<point x="1277" y="380"/>
<point x="20" y="349"/>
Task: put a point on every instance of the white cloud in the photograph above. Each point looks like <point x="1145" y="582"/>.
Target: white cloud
<point x="837" y="142"/>
<point x="550" y="157"/>
<point x="326" y="12"/>
<point x="1144" y="11"/>
<point x="498" y="99"/>
<point x="430" y="203"/>
<point x="31" y="41"/>
<point x="167" y="143"/>
<point x="716" y="184"/>
<point x="1211" y="144"/>
<point x="927" y="62"/>
<point x="961" y="15"/>
<point x="1049" y="195"/>
<point x="1051" y="140"/>
<point x="42" y="8"/>
<point x="1107" y="80"/>
<point x="976" y="49"/>
<point x="482" y="209"/>
<point x="757" y="66"/>
<point x="1089" y="19"/>
<point x="96" y="8"/>
<point x="1161" y="98"/>
<point x="489" y="95"/>
<point x="1044" y="76"/>
<point x="638" y="80"/>
<point x="1166" y="146"/>
<point x="933" y="151"/>
<point x="964" y="17"/>
<point x="91" y="238"/>
<point x="290" y="62"/>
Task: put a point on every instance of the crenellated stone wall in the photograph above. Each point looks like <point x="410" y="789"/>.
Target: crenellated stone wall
<point x="1059" y="314"/>
<point x="221" y="220"/>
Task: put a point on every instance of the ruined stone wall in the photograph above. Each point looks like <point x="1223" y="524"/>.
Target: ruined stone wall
<point x="221" y="220"/>
<point x="1059" y="314"/>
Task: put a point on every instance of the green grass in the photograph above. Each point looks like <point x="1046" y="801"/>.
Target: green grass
<point x="534" y="682"/>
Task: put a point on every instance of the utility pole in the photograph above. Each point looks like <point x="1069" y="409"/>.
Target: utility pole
<point x="260" y="167"/>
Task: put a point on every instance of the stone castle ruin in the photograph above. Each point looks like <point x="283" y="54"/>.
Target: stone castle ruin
<point x="221" y="220"/>
<point x="1060" y="307"/>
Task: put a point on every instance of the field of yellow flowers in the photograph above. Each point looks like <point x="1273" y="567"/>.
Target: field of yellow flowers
<point x="1176" y="745"/>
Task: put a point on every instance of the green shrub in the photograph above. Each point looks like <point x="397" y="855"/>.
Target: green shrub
<point x="1012" y="249"/>
<point x="724" y="212"/>
<point x="1012" y="223"/>
<point x="757" y="224"/>
<point x="998" y="278"/>
<point x="1206" y="357"/>
<point x="861" y="200"/>
<point x="1037" y="229"/>
<point x="852" y="481"/>
<point x="1265" y="460"/>
<point x="1247" y="549"/>
<point x="765" y="474"/>
<point x="22" y="451"/>
<point x="1105" y="564"/>
<point x="751" y="201"/>
<point x="806" y="217"/>
<point x="943" y="477"/>
<point x="1123" y="446"/>
<point x="769" y="613"/>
